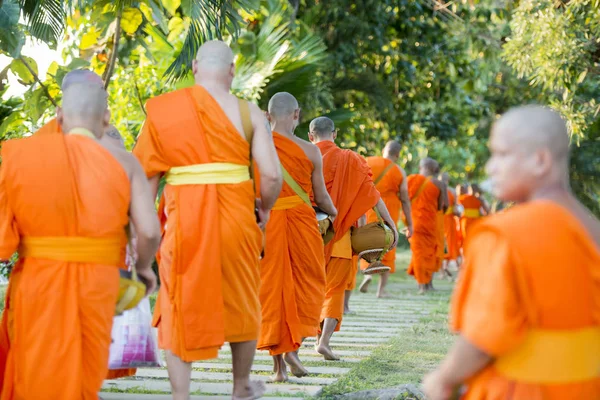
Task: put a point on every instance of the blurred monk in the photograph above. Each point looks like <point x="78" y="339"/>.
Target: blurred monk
<point x="452" y="250"/>
<point x="293" y="269"/>
<point x="349" y="182"/>
<point x="64" y="288"/>
<point x="390" y="180"/>
<point x="200" y="139"/>
<point x="472" y="210"/>
<point x="427" y="196"/>
<point x="527" y="308"/>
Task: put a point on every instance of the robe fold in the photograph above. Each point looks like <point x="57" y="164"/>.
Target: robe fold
<point x="350" y="184"/>
<point x="472" y="206"/>
<point x="534" y="267"/>
<point x="450" y="234"/>
<point x="209" y="256"/>
<point x="424" y="196"/>
<point x="389" y="187"/>
<point x="293" y="269"/>
<point x="59" y="314"/>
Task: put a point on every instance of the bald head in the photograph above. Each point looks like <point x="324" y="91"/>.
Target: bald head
<point x="444" y="177"/>
<point x="392" y="149"/>
<point x="215" y="55"/>
<point x="84" y="105"/>
<point x="81" y="76"/>
<point x="322" y="128"/>
<point x="428" y="166"/>
<point x="282" y="105"/>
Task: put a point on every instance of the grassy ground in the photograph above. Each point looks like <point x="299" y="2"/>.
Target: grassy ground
<point x="409" y="355"/>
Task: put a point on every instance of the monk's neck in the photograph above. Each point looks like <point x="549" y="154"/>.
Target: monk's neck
<point x="556" y="192"/>
<point x="282" y="128"/>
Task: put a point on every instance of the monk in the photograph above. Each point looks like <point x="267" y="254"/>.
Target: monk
<point x="349" y="182"/>
<point x="64" y="288"/>
<point x="390" y="180"/>
<point x="473" y="209"/>
<point x="528" y="326"/>
<point x="452" y="250"/>
<point x="427" y="196"/>
<point x="293" y="269"/>
<point x="200" y="138"/>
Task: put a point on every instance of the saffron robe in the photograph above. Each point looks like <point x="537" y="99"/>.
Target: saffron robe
<point x="472" y="205"/>
<point x="450" y="233"/>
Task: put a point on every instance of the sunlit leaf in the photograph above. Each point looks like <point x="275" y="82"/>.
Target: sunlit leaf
<point x="171" y="5"/>
<point x="19" y="68"/>
<point x="131" y="20"/>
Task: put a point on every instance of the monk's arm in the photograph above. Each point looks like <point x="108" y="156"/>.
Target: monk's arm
<point x="405" y="200"/>
<point x="443" y="197"/>
<point x="462" y="362"/>
<point x="485" y="207"/>
<point x="265" y="156"/>
<point x="385" y="214"/>
<point x="322" y="198"/>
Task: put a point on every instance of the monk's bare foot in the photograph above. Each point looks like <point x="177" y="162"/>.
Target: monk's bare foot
<point x="280" y="376"/>
<point x="327" y="353"/>
<point x="364" y="286"/>
<point x="295" y="364"/>
<point x="348" y="311"/>
<point x="384" y="295"/>
<point x="422" y="289"/>
<point x="252" y="391"/>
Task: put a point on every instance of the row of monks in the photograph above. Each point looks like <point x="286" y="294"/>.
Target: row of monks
<point x="68" y="192"/>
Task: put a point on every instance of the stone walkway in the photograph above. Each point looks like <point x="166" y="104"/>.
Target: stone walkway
<point x="375" y="321"/>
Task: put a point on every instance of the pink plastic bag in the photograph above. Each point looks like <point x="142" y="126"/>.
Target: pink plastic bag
<point x="134" y="340"/>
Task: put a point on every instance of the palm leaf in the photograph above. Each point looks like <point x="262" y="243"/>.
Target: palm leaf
<point x="45" y="19"/>
<point x="209" y="19"/>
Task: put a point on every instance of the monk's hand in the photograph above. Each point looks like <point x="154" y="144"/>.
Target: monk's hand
<point x="436" y="388"/>
<point x="148" y="278"/>
<point x="395" y="231"/>
<point x="409" y="231"/>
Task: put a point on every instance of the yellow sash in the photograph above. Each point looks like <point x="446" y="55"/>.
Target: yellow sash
<point x="343" y="247"/>
<point x="208" y="174"/>
<point x="450" y="210"/>
<point x="285" y="203"/>
<point x="106" y="251"/>
<point x="554" y="357"/>
<point x="471" y="213"/>
<point x="83" y="132"/>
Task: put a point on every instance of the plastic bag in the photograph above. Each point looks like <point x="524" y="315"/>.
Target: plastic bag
<point x="134" y="340"/>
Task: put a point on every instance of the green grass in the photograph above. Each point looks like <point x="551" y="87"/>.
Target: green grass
<point x="412" y="353"/>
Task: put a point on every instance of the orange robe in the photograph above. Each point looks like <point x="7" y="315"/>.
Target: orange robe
<point x="389" y="187"/>
<point x="209" y="256"/>
<point x="532" y="267"/>
<point x="441" y="240"/>
<point x="424" y="196"/>
<point x="293" y="269"/>
<point x="452" y="248"/>
<point x="472" y="206"/>
<point x="59" y="314"/>
<point x="349" y="182"/>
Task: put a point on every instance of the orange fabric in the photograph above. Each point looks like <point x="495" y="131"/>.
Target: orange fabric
<point x="56" y="304"/>
<point x="389" y="187"/>
<point x="293" y="269"/>
<point x="450" y="233"/>
<point x="352" y="282"/>
<point x="468" y="202"/>
<point x="209" y="257"/>
<point x="350" y="184"/>
<point x="521" y="272"/>
<point x="424" y="242"/>
<point x="49" y="128"/>
<point x="441" y="240"/>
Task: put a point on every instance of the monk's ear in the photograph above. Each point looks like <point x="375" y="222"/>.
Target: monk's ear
<point x="194" y="67"/>
<point x="106" y="119"/>
<point x="311" y="137"/>
<point x="543" y="162"/>
<point x="268" y="116"/>
<point x="334" y="134"/>
<point x="59" y="116"/>
<point x="232" y="70"/>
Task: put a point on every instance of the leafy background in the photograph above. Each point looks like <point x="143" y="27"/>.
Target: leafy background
<point x="433" y="75"/>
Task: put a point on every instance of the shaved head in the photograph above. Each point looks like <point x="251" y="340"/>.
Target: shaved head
<point x="530" y="151"/>
<point x="81" y="76"/>
<point x="428" y="166"/>
<point x="444" y="177"/>
<point x="322" y="128"/>
<point x="282" y="105"/>
<point x="84" y="105"/>
<point x="392" y="148"/>
<point x="215" y="55"/>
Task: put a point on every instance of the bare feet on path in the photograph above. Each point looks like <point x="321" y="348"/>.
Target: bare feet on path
<point x="384" y="295"/>
<point x="295" y="364"/>
<point x="364" y="286"/>
<point x="253" y="390"/>
<point x="326" y="352"/>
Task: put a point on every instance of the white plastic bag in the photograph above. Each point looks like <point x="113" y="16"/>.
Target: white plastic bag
<point x="134" y="340"/>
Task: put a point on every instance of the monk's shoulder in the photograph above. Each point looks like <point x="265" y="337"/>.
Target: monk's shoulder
<point x="522" y="218"/>
<point x="165" y="102"/>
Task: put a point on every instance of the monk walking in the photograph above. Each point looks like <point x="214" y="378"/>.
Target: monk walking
<point x="427" y="196"/>
<point x="200" y="139"/>
<point x="452" y="249"/>
<point x="293" y="269"/>
<point x="390" y="180"/>
<point x="526" y="308"/>
<point x="473" y="209"/>
<point x="349" y="182"/>
<point x="64" y="288"/>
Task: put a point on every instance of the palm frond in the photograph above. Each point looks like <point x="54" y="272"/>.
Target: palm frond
<point x="45" y="19"/>
<point x="209" y="19"/>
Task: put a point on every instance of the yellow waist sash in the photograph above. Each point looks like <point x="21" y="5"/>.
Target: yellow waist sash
<point x="106" y="251"/>
<point x="285" y="203"/>
<point x="554" y="357"/>
<point x="450" y="210"/>
<point x="471" y="213"/>
<point x="208" y="174"/>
